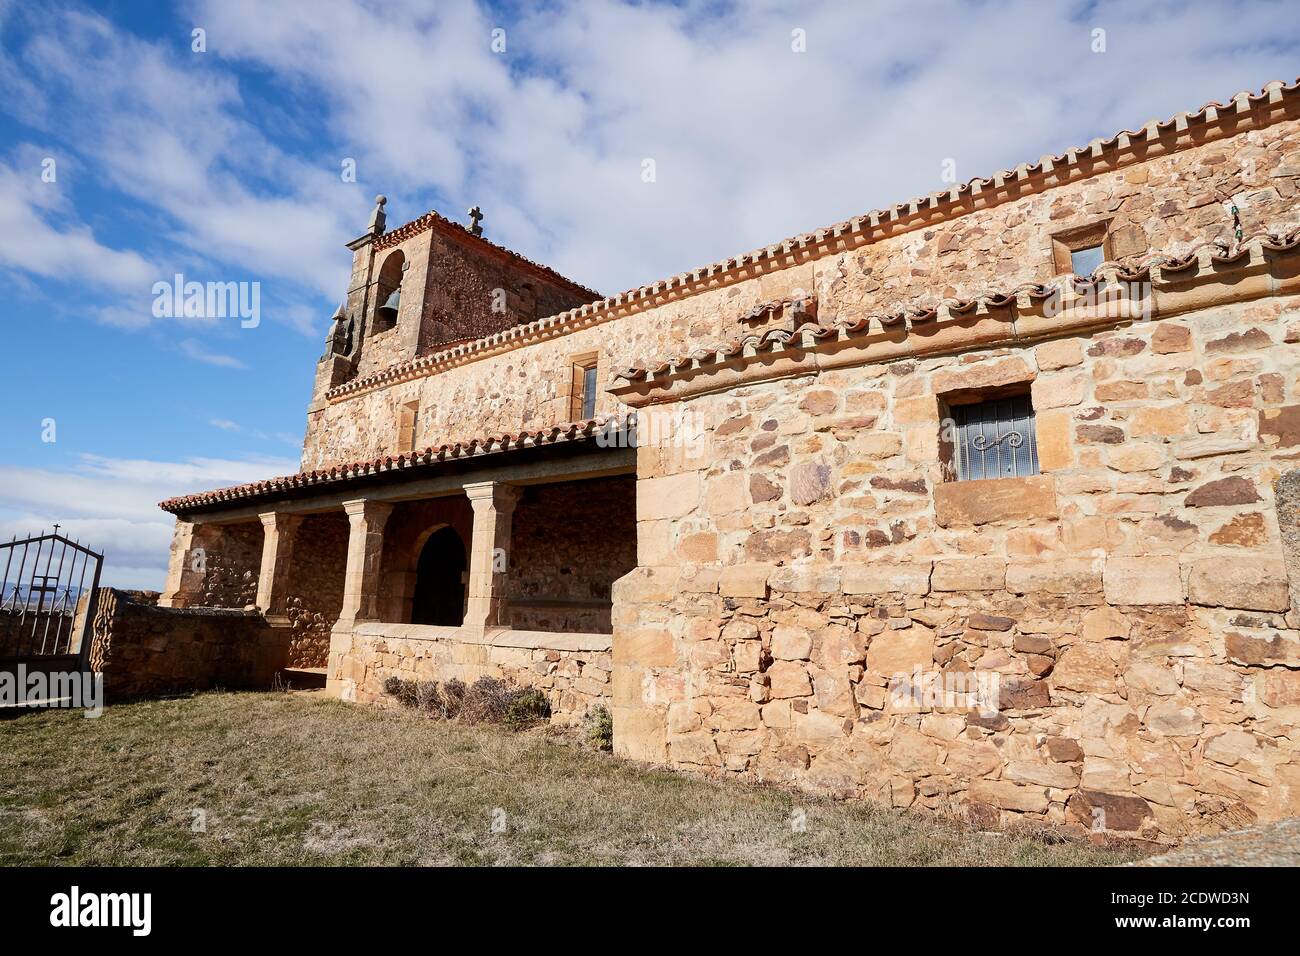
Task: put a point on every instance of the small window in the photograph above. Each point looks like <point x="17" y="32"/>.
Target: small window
<point x="994" y="439"/>
<point x="1085" y="261"/>
<point x="1080" y="251"/>
<point x="589" y="392"/>
<point x="583" y="387"/>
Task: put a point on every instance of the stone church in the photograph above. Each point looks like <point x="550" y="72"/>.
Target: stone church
<point x="980" y="503"/>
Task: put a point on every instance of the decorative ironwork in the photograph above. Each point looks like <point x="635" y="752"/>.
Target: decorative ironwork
<point x="46" y="608"/>
<point x="981" y="443"/>
<point x="995" y="439"/>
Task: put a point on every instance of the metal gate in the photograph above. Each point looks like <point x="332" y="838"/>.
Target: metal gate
<point x="46" y="608"/>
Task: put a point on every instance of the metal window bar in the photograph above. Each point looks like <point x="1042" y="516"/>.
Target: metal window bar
<point x="996" y="439"/>
<point x="589" y="392"/>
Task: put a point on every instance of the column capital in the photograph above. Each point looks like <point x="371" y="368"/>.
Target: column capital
<point x="493" y="495"/>
<point x="367" y="508"/>
<point x="280" y="520"/>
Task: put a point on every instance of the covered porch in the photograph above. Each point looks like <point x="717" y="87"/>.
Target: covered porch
<point x="498" y="562"/>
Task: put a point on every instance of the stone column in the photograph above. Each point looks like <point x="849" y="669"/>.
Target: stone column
<point x="365" y="553"/>
<point x="489" y="551"/>
<point x="279" y="532"/>
<point x="187" y="566"/>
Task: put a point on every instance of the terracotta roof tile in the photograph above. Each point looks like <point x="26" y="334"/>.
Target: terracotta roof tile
<point x="1204" y="254"/>
<point x="586" y="430"/>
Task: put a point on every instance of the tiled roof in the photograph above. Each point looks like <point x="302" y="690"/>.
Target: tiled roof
<point x="431" y="220"/>
<point x="850" y="232"/>
<point x="328" y="478"/>
<point x="1153" y="268"/>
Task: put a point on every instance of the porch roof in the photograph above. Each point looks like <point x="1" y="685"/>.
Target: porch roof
<point x="584" y="435"/>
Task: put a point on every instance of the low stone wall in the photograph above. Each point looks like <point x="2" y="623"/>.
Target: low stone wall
<point x="144" y="650"/>
<point x="20" y="634"/>
<point x="573" y="669"/>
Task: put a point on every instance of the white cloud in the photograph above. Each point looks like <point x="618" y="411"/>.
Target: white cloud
<point x="193" y="349"/>
<point x="29" y="242"/>
<point x="111" y="505"/>
<point x="752" y="141"/>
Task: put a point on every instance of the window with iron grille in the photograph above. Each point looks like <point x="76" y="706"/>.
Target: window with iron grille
<point x="995" y="439"/>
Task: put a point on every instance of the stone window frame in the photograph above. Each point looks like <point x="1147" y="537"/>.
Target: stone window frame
<point x="408" y="424"/>
<point x="1069" y="241"/>
<point x="948" y="454"/>
<point x="576" y="392"/>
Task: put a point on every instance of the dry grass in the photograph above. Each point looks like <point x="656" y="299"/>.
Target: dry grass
<point x="297" y="779"/>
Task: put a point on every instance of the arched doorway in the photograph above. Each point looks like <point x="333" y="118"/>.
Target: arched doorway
<point x="440" y="580"/>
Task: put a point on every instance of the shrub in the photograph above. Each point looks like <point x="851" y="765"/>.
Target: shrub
<point x="488" y="701"/>
<point x="526" y="707"/>
<point x="405" y="691"/>
<point x="485" y="701"/>
<point x="453" y="695"/>
<point x="600" y="728"/>
<point x="427" y="698"/>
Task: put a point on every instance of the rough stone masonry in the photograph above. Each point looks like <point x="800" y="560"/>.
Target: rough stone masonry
<point x="955" y="528"/>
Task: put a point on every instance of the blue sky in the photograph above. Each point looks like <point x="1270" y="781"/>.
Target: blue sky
<point x="225" y="165"/>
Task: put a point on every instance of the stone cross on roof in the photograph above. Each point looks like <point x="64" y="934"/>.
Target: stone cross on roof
<point x="476" y="220"/>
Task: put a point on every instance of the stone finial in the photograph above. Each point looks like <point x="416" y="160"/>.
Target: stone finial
<point x="476" y="220"/>
<point x="377" y="218"/>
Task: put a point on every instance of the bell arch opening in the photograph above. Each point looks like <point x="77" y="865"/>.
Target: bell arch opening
<point x="440" y="575"/>
<point x="389" y="291"/>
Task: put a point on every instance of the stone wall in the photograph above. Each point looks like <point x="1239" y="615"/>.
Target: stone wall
<point x="315" y="589"/>
<point x="569" y="543"/>
<point x="1167" y="203"/>
<point x="1132" y="599"/>
<point x="144" y="650"/>
<point x="573" y="669"/>
<point x="23" y="634"/>
<point x="232" y="557"/>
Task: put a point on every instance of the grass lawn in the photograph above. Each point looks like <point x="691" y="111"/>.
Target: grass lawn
<point x="298" y="779"/>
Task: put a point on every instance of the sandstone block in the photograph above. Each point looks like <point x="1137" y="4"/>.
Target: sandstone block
<point x="1058" y="775"/>
<point x="1143" y="581"/>
<point x="789" y="679"/>
<point x="1235" y="490"/>
<point x="791" y="643"/>
<point x="969" y="574"/>
<point x="1108" y="811"/>
<point x="1062" y="353"/>
<point x="1054" y="439"/>
<point x="744" y="580"/>
<point x="1086" y="668"/>
<point x="1060" y="390"/>
<point x="1170" y="718"/>
<point x="883" y="577"/>
<point x="810" y="481"/>
<point x="1248" y="583"/>
<point x="989" y="500"/>
<point x="982" y="375"/>
<point x="674" y="496"/>
<point x="1007" y="795"/>
<point x="894" y="653"/>
<point x="1065" y="576"/>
